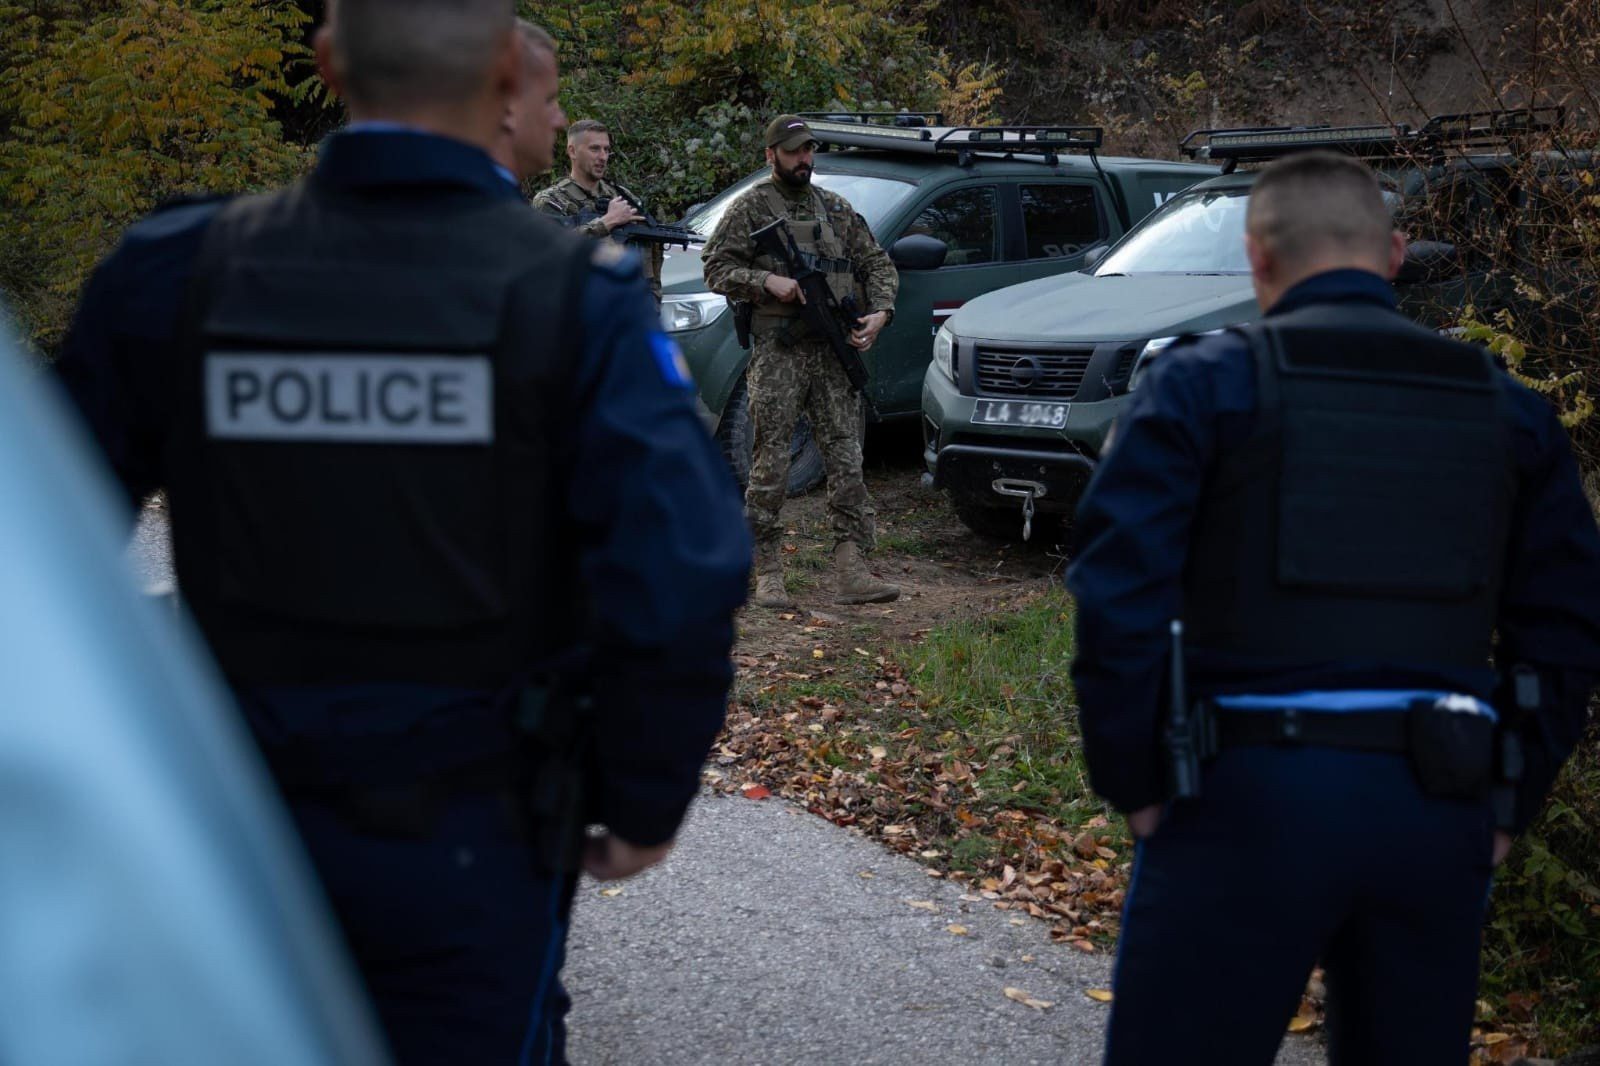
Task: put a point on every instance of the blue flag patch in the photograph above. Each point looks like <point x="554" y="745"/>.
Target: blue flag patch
<point x="670" y="361"/>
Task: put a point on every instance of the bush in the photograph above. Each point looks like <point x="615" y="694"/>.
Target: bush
<point x="118" y="106"/>
<point x="687" y="88"/>
<point x="1542" y="945"/>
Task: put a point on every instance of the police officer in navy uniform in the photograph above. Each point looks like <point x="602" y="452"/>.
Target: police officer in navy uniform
<point x="424" y="450"/>
<point x="1389" y="582"/>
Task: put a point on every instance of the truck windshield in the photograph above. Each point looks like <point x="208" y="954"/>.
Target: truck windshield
<point x="873" y="198"/>
<point x="1194" y="233"/>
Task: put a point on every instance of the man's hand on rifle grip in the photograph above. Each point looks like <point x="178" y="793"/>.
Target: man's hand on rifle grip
<point x="785" y="290"/>
<point x="863" y="335"/>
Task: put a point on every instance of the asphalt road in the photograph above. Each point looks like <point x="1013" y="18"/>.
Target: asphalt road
<point x="773" y="937"/>
<point x="770" y="936"/>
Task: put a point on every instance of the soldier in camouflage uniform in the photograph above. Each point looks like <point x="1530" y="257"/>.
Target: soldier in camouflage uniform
<point x="793" y="371"/>
<point x="585" y="186"/>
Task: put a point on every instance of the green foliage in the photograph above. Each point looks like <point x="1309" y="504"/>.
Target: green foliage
<point x="1566" y="386"/>
<point x="1542" y="945"/>
<point x="118" y="106"/>
<point x="687" y="87"/>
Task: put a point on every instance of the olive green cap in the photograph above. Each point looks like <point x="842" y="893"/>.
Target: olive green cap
<point x="789" y="132"/>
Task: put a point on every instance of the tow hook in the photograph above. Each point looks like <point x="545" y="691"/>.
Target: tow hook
<point x="1028" y="491"/>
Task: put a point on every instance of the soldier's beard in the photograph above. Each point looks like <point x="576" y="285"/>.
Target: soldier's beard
<point x="798" y="178"/>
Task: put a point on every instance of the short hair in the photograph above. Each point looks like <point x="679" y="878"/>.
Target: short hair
<point x="407" y="52"/>
<point x="536" y="41"/>
<point x="585" y="126"/>
<point x="1315" y="202"/>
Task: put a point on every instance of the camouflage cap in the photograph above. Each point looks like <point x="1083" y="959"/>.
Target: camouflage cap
<point x="789" y="132"/>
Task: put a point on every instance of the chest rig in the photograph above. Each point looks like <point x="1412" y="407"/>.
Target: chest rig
<point x="820" y="244"/>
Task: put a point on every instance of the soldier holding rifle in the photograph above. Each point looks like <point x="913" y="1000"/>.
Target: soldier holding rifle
<point x="586" y="191"/>
<point x="793" y="368"/>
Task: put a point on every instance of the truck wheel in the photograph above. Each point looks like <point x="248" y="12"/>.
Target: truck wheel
<point x="1005" y="523"/>
<point x="736" y="436"/>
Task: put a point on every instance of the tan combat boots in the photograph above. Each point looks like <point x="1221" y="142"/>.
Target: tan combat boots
<point x="769" y="579"/>
<point x="856" y="583"/>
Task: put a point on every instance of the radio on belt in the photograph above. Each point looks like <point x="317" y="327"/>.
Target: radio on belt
<point x="367" y="398"/>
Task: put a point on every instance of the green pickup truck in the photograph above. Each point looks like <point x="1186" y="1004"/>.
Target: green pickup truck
<point x="962" y="211"/>
<point x="1026" y="382"/>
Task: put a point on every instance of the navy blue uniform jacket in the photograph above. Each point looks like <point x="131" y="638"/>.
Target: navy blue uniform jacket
<point x="664" y="551"/>
<point x="1199" y="400"/>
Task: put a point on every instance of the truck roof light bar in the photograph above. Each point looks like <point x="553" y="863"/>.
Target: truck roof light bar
<point x="1028" y="138"/>
<point x="830" y="131"/>
<point x="1493" y="127"/>
<point x="878" y="119"/>
<point x="1269" y="142"/>
<point x="1468" y="129"/>
<point x="964" y="142"/>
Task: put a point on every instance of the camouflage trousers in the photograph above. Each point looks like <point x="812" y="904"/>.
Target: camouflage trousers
<point x="786" y="381"/>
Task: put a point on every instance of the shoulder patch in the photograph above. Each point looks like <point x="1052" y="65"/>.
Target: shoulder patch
<point x="670" y="361"/>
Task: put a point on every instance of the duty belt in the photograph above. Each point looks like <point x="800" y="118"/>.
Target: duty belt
<point x="1456" y="753"/>
<point x="1361" y="730"/>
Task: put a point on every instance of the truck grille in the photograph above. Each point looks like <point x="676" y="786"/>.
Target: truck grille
<point x="1054" y="372"/>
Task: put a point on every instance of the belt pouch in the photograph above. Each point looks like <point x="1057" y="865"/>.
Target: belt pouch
<point x="1452" y="751"/>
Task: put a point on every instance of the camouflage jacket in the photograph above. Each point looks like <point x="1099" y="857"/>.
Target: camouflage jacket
<point x="731" y="260"/>
<point x="567" y="198"/>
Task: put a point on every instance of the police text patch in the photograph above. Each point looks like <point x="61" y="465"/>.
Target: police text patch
<point x="371" y="399"/>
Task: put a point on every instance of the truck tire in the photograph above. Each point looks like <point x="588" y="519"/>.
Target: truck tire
<point x="736" y="437"/>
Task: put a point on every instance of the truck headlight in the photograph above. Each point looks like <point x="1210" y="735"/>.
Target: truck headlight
<point x="1152" y="348"/>
<point x="944" y="352"/>
<point x="691" y="311"/>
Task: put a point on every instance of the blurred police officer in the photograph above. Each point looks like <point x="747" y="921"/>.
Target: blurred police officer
<point x="586" y="188"/>
<point x="423" y="449"/>
<point x="792" y="370"/>
<point x="523" y="149"/>
<point x="1343" y="508"/>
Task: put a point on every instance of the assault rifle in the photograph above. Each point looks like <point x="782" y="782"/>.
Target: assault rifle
<point x="647" y="231"/>
<point x="830" y="318"/>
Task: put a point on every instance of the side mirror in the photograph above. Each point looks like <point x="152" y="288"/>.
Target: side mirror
<point x="918" y="251"/>
<point x="1428" y="261"/>
<point x="1094" y="255"/>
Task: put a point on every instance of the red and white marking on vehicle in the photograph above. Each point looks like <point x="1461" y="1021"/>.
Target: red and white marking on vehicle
<point x="942" y="310"/>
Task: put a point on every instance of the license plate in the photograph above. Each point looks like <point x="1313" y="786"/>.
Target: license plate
<point x="1019" y="413"/>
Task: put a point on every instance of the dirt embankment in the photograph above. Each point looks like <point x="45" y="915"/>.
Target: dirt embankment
<point x="1150" y="71"/>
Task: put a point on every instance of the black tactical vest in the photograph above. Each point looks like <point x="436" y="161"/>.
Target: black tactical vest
<point x="1366" y="519"/>
<point x="372" y="393"/>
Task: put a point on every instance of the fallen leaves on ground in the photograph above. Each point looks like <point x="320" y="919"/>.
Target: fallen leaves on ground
<point x="1099" y="995"/>
<point x="1026" y="1000"/>
<point x="864" y="763"/>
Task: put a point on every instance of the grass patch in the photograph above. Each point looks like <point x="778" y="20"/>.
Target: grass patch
<point x="917" y="543"/>
<point x="998" y="685"/>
